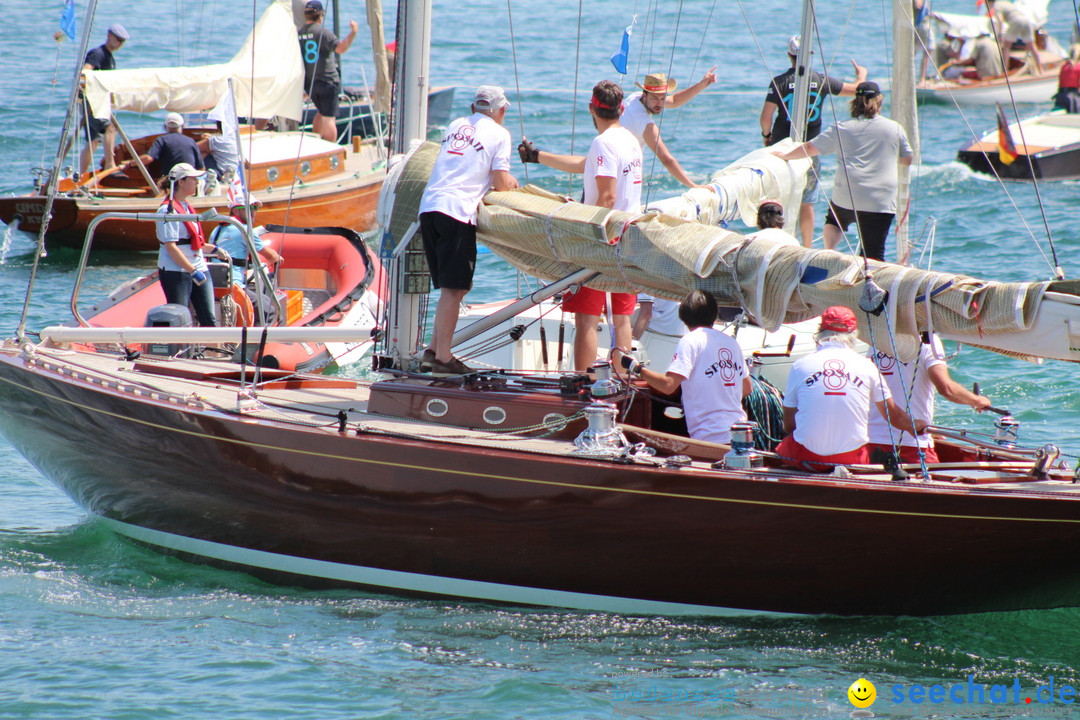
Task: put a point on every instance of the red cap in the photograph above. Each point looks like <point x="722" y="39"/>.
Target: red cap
<point x="838" y="319"/>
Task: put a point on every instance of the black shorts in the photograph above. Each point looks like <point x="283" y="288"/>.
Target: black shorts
<point x="450" y="247"/>
<point x="324" y="97"/>
<point x="873" y="228"/>
<point x="92" y="128"/>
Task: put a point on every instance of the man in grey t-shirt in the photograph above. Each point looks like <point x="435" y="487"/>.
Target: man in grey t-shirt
<point x="870" y="148"/>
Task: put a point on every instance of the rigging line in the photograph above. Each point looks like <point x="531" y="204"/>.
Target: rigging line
<point x="1056" y="267"/>
<point x="52" y="100"/>
<point x="659" y="125"/>
<point x="841" y="162"/>
<point x="517" y="79"/>
<point x="701" y="48"/>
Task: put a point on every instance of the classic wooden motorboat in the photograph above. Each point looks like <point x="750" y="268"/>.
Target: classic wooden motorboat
<point x="328" y="279"/>
<point x="1047" y="148"/>
<point x="300" y="179"/>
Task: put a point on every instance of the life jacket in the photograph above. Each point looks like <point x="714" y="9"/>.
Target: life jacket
<point x="194" y="229"/>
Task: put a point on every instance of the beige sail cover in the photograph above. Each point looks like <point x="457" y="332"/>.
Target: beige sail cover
<point x="267" y="75"/>
<point x="549" y="237"/>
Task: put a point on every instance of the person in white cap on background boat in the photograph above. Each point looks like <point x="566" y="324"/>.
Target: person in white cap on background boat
<point x="829" y="398"/>
<point x="319" y="48"/>
<point x="775" y="122"/>
<point x="101" y="58"/>
<point x="182" y="269"/>
<point x="474" y="158"/>
<point x="172" y="148"/>
<point x="641" y="109"/>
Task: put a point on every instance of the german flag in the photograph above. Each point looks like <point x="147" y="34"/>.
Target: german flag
<point x="1006" y="147"/>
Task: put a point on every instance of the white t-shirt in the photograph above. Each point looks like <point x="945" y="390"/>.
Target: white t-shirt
<point x="472" y="149"/>
<point x="776" y="235"/>
<point x="635" y="117"/>
<point x="714" y="368"/>
<point x="174" y="232"/>
<point x="904" y="379"/>
<point x="833" y="390"/>
<point x="615" y="153"/>
<point x="665" y="316"/>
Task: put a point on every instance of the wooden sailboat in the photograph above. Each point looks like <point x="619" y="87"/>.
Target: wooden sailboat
<point x="299" y="178"/>
<point x="523" y="488"/>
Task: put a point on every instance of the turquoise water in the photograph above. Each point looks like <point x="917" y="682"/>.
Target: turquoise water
<point x="93" y="626"/>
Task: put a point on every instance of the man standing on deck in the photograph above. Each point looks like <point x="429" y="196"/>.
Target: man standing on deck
<point x="101" y="58"/>
<point x="776" y="122"/>
<point x="319" y="48"/>
<point x="474" y="158"/>
<point x="613" y="180"/>
<point x="641" y="109"/>
<point x="829" y="398"/>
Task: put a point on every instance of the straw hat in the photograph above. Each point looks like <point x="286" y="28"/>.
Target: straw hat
<point x="657" y="83"/>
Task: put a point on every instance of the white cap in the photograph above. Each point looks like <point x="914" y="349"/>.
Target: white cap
<point x="793" y="45"/>
<point x="490" y="97"/>
<point x="174" y="120"/>
<point x="184" y="170"/>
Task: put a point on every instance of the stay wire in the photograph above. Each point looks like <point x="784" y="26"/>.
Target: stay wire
<point x="517" y="79"/>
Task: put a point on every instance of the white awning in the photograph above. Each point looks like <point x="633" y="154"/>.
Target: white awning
<point x="272" y="52"/>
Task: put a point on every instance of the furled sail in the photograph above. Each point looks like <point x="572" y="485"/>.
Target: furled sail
<point x="549" y="237"/>
<point x="267" y="75"/>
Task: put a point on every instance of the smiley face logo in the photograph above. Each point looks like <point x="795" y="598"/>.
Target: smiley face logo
<point x="862" y="693"/>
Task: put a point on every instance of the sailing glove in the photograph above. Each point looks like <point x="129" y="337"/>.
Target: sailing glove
<point x="528" y="152"/>
<point x="198" y="277"/>
<point x="631" y="365"/>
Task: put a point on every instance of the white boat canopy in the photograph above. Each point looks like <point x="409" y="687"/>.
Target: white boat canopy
<point x="972" y="26"/>
<point x="267" y="75"/>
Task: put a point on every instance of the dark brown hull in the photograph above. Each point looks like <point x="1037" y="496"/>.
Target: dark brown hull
<point x="1062" y="163"/>
<point x="522" y="527"/>
<point x="350" y="204"/>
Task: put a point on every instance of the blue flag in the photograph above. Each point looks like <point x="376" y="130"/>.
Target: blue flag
<point x="67" y="19"/>
<point x="619" y="59"/>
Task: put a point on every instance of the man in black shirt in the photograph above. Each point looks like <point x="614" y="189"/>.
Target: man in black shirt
<point x="776" y="122"/>
<point x="319" y="48"/>
<point x="101" y="58"/>
<point x="172" y="148"/>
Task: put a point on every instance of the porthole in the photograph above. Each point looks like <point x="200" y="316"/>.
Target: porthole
<point x="305" y="167"/>
<point x="272" y="174"/>
<point x="436" y="407"/>
<point x="334" y="162"/>
<point x="494" y="415"/>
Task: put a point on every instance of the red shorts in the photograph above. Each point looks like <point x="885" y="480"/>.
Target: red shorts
<point x="592" y="302"/>
<point x="908" y="453"/>
<point x="795" y="455"/>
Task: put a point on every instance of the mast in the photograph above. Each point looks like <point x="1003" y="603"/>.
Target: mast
<point x="61" y="151"/>
<point x="802" y="73"/>
<point x="905" y="112"/>
<point x="409" y="276"/>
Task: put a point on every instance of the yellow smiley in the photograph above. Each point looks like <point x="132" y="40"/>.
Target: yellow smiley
<point x="862" y="693"/>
